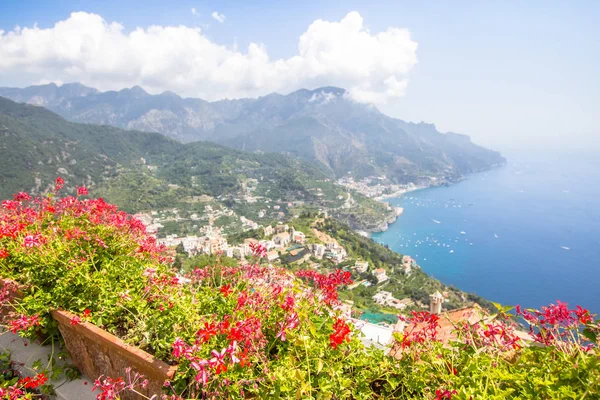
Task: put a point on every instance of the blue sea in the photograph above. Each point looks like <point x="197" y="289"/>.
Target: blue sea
<point x="526" y="233"/>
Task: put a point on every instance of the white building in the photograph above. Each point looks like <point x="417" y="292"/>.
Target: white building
<point x="386" y="299"/>
<point x="381" y="275"/>
<point x="361" y="266"/>
<point x="268" y="230"/>
<point x="272" y="255"/>
<point x="299" y="237"/>
<point x="282" y="239"/>
<point x="374" y="335"/>
<point x="318" y="250"/>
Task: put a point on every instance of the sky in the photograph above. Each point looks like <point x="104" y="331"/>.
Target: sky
<point x="512" y="75"/>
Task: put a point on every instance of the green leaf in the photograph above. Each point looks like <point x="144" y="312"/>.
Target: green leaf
<point x="590" y="335"/>
<point x="312" y="328"/>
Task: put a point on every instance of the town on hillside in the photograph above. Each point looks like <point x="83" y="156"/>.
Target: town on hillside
<point x="380" y="291"/>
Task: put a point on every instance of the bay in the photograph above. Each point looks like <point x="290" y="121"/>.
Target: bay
<point x="526" y="233"/>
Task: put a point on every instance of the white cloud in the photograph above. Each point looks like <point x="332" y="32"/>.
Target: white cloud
<point x="195" y="12"/>
<point x="87" y="48"/>
<point x="219" y="17"/>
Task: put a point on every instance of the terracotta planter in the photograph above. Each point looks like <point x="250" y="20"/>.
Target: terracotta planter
<point x="96" y="352"/>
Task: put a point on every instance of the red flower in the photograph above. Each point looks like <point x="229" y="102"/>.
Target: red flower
<point x="35" y="382"/>
<point x="243" y="357"/>
<point x="110" y="388"/>
<point x="242" y="299"/>
<point x="3" y="254"/>
<point x="10" y="205"/>
<point x="23" y="322"/>
<point x="288" y="304"/>
<point x="226" y="290"/>
<point x="21" y="196"/>
<point x="235" y="334"/>
<point x="87" y="313"/>
<point x="582" y="314"/>
<point x="59" y="184"/>
<point x="327" y="283"/>
<point x="75" y="320"/>
<point x="209" y="331"/>
<point x="341" y="332"/>
<point x="82" y="191"/>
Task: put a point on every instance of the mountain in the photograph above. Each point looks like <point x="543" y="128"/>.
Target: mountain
<point x="148" y="171"/>
<point x="323" y="125"/>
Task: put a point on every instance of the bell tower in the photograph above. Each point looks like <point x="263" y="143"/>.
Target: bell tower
<point x="435" y="304"/>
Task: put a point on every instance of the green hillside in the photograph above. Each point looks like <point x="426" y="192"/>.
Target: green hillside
<point x="144" y="171"/>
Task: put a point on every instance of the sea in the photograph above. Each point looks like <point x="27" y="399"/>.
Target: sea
<point x="526" y="233"/>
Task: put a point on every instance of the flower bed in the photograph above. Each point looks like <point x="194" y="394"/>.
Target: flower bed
<point x="258" y="331"/>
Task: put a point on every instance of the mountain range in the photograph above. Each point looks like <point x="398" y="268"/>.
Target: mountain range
<point x="141" y="171"/>
<point x="324" y="126"/>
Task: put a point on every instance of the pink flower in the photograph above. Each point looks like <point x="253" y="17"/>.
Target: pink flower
<point x="179" y="348"/>
<point x="441" y="394"/>
<point x="150" y="272"/>
<point x="32" y="240"/>
<point x="258" y="250"/>
<point x="75" y="320"/>
<point x="231" y="349"/>
<point x="218" y="361"/>
<point x="82" y="191"/>
<point x="291" y="322"/>
<point x="202" y="375"/>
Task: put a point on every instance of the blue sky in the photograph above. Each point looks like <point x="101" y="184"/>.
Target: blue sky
<point x="510" y="74"/>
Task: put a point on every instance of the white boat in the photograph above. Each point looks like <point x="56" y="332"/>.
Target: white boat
<point x="496" y="235"/>
<point x="565" y="247"/>
<point x="451" y="251"/>
<point x="436" y="221"/>
<point x="463" y="232"/>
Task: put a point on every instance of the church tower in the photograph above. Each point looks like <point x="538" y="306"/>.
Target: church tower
<point x="435" y="304"/>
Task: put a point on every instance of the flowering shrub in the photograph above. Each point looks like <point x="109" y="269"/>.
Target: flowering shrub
<point x="233" y="331"/>
<point x="262" y="332"/>
<point x="556" y="359"/>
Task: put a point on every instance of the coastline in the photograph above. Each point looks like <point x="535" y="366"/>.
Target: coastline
<point x="384" y="225"/>
<point x="398" y="211"/>
<point x="399" y="193"/>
